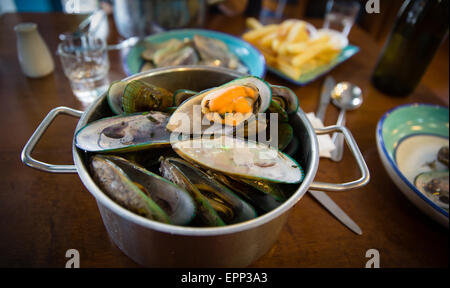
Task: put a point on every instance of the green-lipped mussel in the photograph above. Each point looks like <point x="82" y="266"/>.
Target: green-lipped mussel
<point x="226" y="107"/>
<point x="240" y="158"/>
<point x="223" y="178"/>
<point x="216" y="204"/>
<point x="285" y="97"/>
<point x="435" y="185"/>
<point x="141" y="191"/>
<point x="125" y="133"/>
<point x="264" y="196"/>
<point x="140" y="96"/>
<point x="137" y="96"/>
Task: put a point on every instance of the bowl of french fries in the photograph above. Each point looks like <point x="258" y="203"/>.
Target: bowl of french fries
<point x="296" y="50"/>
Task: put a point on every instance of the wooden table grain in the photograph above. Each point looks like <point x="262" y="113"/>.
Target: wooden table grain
<point x="43" y="215"/>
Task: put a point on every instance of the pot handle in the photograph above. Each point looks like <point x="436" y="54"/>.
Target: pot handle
<point x="351" y="143"/>
<point x="34" y="139"/>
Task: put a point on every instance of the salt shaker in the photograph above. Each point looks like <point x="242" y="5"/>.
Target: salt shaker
<point x="34" y="56"/>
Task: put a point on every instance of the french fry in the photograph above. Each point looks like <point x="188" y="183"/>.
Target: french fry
<point x="286" y="68"/>
<point x="284" y="28"/>
<point x="295" y="34"/>
<point x="302" y="46"/>
<point x="267" y="40"/>
<point x="275" y="44"/>
<point x="310" y="53"/>
<point x="253" y="23"/>
<point x="289" y="46"/>
<point x="256" y="34"/>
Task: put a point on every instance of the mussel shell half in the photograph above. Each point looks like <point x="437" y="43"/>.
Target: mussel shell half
<point x="265" y="187"/>
<point x="140" y="96"/>
<point x="125" y="133"/>
<point x="276" y="108"/>
<point x="229" y="207"/>
<point x="183" y="56"/>
<point x="443" y="155"/>
<point x="285" y="97"/>
<point x="259" y="198"/>
<point x="174" y="200"/>
<point x="152" y="48"/>
<point x="285" y="135"/>
<point x="292" y="147"/>
<point x="182" y="120"/>
<point x="114" y="96"/>
<point x="115" y="183"/>
<point x="216" y="51"/>
<point x="240" y="158"/>
<point x="435" y="185"/>
<point x="182" y="95"/>
<point x="150" y="160"/>
<point x="205" y="212"/>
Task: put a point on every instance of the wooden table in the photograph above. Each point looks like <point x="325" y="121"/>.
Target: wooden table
<point x="43" y="215"/>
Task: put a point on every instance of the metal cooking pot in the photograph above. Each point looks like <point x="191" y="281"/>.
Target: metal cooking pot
<point x="152" y="243"/>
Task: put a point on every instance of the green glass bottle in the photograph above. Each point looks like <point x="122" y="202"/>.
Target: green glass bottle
<point x="420" y="28"/>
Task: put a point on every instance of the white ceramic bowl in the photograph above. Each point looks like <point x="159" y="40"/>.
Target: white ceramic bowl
<point x="408" y="137"/>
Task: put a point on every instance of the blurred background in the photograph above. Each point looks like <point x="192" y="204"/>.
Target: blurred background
<point x="378" y="25"/>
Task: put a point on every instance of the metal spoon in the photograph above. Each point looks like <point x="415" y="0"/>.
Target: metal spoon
<point x="346" y="96"/>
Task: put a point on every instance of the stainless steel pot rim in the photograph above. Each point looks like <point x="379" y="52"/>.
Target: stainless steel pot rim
<point x="183" y="230"/>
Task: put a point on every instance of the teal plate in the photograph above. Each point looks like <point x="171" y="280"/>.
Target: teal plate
<point x="247" y="54"/>
<point x="408" y="137"/>
<point x="312" y="75"/>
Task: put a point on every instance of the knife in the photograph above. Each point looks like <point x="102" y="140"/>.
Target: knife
<point x="334" y="209"/>
<point x="325" y="96"/>
<point x="320" y="196"/>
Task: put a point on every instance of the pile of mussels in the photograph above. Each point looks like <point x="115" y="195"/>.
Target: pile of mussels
<point x="194" y="181"/>
<point x="199" y="50"/>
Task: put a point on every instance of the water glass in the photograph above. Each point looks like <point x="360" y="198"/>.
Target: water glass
<point x="85" y="62"/>
<point x="340" y="15"/>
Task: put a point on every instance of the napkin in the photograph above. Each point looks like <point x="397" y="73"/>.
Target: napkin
<point x="326" y="145"/>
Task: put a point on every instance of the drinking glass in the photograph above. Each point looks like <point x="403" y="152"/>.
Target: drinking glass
<point x="340" y="15"/>
<point x="85" y="62"/>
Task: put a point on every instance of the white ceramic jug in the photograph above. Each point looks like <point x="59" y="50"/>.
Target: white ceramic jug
<point x="34" y="57"/>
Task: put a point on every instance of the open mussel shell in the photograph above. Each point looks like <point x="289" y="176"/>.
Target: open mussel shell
<point x="184" y="56"/>
<point x="170" y="110"/>
<point x="148" y="54"/>
<point x="140" y="96"/>
<point x="216" y="204"/>
<point x="215" y="51"/>
<point x="125" y="133"/>
<point x="240" y="158"/>
<point x="141" y="191"/>
<point x="191" y="111"/>
<point x="168" y="55"/>
<point x="114" y="96"/>
<point x="266" y="187"/>
<point x="264" y="196"/>
<point x="150" y="160"/>
<point x="435" y="185"/>
<point x="276" y="108"/>
<point x="443" y="155"/>
<point x="182" y="95"/>
<point x="285" y="135"/>
<point x="285" y="97"/>
<point x="292" y="147"/>
<point x="206" y="213"/>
